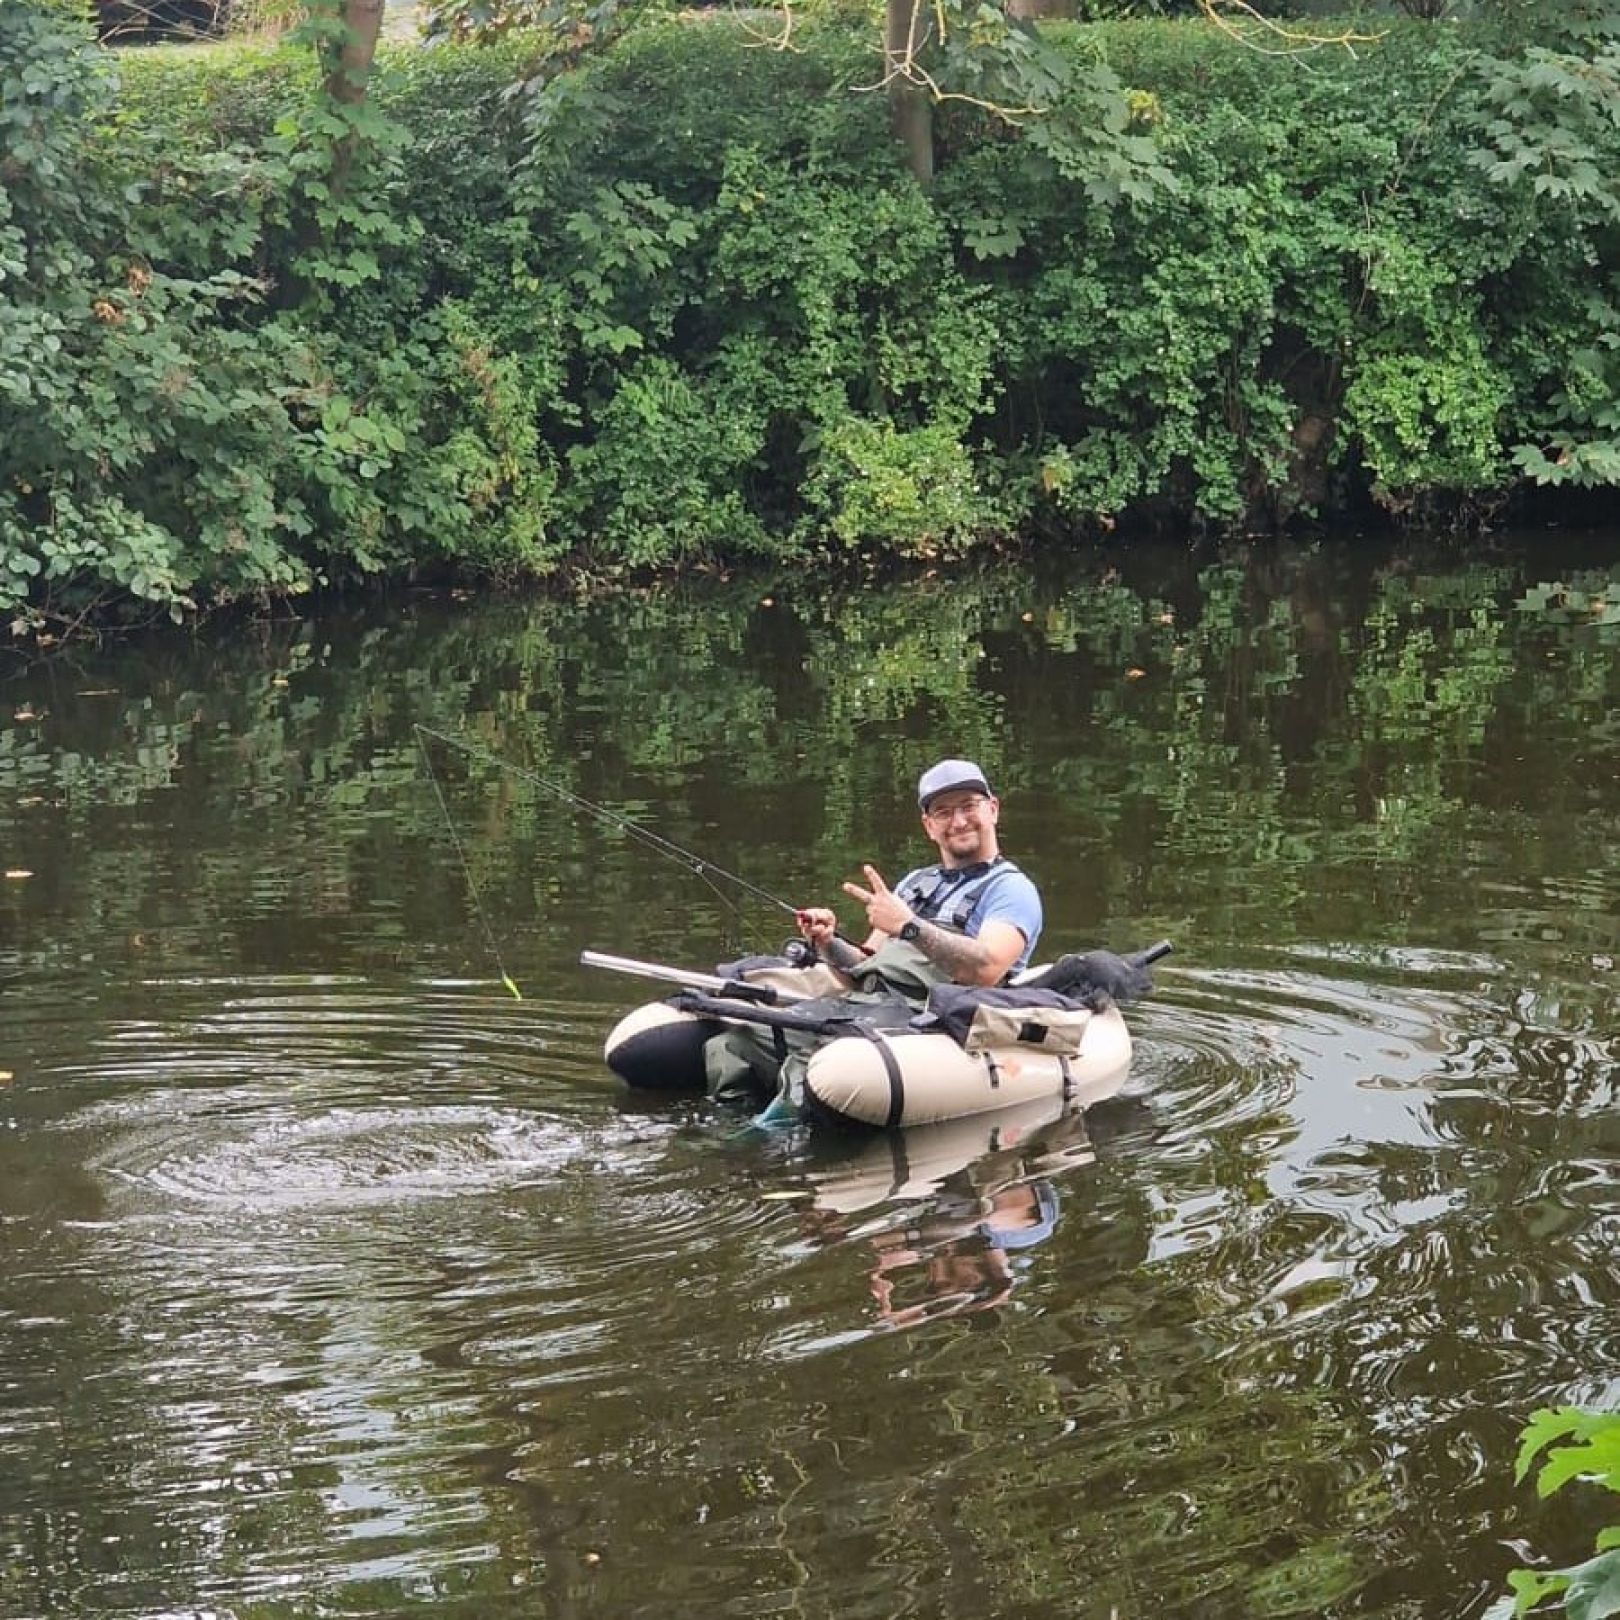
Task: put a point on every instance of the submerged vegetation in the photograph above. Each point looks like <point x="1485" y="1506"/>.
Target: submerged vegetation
<point x="680" y="300"/>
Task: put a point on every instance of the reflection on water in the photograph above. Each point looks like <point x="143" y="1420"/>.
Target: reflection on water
<point x="946" y="1211"/>
<point x="336" y="1280"/>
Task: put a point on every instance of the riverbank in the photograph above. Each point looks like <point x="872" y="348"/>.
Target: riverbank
<point x="680" y="305"/>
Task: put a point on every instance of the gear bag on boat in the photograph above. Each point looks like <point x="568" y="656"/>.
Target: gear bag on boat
<point x="983" y="1018"/>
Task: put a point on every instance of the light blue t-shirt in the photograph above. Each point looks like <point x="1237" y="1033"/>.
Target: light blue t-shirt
<point x="1002" y="895"/>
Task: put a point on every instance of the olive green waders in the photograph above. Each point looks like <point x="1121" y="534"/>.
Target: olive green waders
<point x="755" y="1063"/>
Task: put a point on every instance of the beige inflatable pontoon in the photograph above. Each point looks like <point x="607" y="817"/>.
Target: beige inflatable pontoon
<point x="869" y="1066"/>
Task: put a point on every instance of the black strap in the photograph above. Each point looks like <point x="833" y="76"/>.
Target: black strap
<point x="897" y="1084"/>
<point x="994" y="1072"/>
<point x="902" y="1165"/>
<point x="748" y="1012"/>
<point x="967" y="897"/>
<point x="1068" y="1077"/>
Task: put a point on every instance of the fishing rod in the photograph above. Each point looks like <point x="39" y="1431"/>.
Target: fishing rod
<point x="694" y="863"/>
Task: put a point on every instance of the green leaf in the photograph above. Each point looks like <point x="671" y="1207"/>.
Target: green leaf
<point x="1598" y="1458"/>
<point x="1531" y="1587"/>
<point x="1594" y="1588"/>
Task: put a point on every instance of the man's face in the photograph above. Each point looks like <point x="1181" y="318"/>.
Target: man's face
<point x="962" y="825"/>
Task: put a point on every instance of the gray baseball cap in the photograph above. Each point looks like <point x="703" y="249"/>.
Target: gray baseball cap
<point x="950" y="774"/>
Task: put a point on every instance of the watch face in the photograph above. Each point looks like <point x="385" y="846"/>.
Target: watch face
<point x="910" y="930"/>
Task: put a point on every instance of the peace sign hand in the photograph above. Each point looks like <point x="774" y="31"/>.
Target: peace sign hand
<point x="885" y="910"/>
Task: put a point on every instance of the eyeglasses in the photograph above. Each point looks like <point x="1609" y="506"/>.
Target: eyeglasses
<point x="944" y="813"/>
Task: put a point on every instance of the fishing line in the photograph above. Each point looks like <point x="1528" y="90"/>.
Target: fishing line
<point x="747" y="930"/>
<point x="466" y="868"/>
<point x="696" y="864"/>
<point x="700" y="867"/>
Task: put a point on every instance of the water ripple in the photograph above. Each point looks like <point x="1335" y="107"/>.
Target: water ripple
<point x="344" y="1156"/>
<point x="285" y="1095"/>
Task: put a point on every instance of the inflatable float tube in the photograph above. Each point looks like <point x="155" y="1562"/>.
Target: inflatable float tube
<point x="892" y="1079"/>
<point x="886" y="1078"/>
<point x="880" y="1070"/>
<point x="660" y="1048"/>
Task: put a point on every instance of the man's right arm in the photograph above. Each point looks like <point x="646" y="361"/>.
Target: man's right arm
<point x="820" y="926"/>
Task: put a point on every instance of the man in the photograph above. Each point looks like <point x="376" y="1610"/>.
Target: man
<point x="972" y="919"/>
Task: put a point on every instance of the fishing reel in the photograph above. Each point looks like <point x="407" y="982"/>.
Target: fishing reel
<point x="797" y="953"/>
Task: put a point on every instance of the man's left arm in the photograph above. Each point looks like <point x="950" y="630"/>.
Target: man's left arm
<point x="983" y="958"/>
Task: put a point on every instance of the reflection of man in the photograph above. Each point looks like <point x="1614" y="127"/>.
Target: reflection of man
<point x="1020" y="1216"/>
<point x="973" y="918"/>
<point x="962" y="1270"/>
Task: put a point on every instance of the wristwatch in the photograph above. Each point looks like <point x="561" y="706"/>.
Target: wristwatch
<point x="909" y="930"/>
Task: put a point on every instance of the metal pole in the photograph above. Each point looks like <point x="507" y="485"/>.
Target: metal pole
<point x="712" y="982"/>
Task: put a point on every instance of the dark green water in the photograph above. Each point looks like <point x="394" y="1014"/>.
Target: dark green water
<point x="334" y="1281"/>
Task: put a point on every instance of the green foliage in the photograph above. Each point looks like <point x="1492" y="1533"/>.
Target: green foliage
<point x="126" y="394"/>
<point x="752" y="319"/>
<point x="1552" y="131"/>
<point x="586" y="20"/>
<point x="622" y="249"/>
<point x="1582" y="419"/>
<point x="909" y="491"/>
<point x="1077" y="120"/>
<point x="1573" y="1445"/>
<point x="673" y="299"/>
<point x="660" y="474"/>
<point x="1550" y="119"/>
<point x="1427" y="419"/>
<point x="196" y="402"/>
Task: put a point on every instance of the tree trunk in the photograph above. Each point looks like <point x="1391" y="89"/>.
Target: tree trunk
<point x="348" y="72"/>
<point x="1035" y="10"/>
<point x="348" y="66"/>
<point x="906" y="28"/>
<point x="345" y="57"/>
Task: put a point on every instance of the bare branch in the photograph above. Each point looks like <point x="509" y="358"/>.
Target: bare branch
<point x="1254" y="30"/>
<point x="762" y="39"/>
<point x="144" y="19"/>
<point x="902" y="67"/>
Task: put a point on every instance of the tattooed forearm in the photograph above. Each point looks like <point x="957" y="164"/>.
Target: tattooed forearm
<point x="956" y="954"/>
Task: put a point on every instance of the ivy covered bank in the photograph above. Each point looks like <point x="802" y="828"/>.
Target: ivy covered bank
<point x="682" y="300"/>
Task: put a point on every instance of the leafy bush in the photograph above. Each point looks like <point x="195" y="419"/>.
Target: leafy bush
<point x="908" y="491"/>
<point x="219" y="378"/>
<point x="131" y="410"/>
<point x="676" y="300"/>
